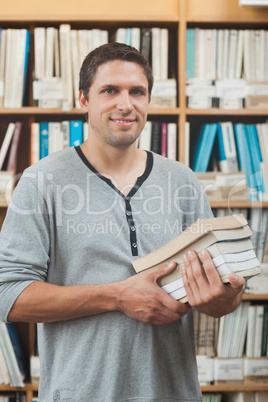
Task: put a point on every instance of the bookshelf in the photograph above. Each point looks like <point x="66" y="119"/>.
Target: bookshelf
<point x="177" y="16"/>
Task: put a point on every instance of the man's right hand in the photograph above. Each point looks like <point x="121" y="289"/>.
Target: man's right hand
<point x="142" y="299"/>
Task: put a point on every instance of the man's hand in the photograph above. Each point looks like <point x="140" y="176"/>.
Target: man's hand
<point x="204" y="288"/>
<point x="142" y="299"/>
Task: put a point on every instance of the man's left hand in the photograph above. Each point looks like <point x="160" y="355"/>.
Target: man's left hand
<point x="205" y="290"/>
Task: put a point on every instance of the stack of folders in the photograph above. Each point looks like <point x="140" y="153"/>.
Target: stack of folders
<point x="226" y="238"/>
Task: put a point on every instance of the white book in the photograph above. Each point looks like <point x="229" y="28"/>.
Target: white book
<point x="104" y="37"/>
<point x="83" y="43"/>
<point x="208" y="53"/>
<point x="226" y="49"/>
<point x="262" y="130"/>
<point x="187" y="144"/>
<point x="247" y="56"/>
<point x="219" y="72"/>
<point x="232" y="53"/>
<point x="156" y="53"/>
<point x="20" y="62"/>
<point x="200" y="42"/>
<point x="6" y="143"/>
<point x="257" y="51"/>
<point x="66" y="67"/>
<point x="75" y="66"/>
<point x="89" y="43"/>
<point x="120" y="35"/>
<point x="136" y="38"/>
<point x="146" y="136"/>
<point x="39" y="52"/>
<point x="233" y="257"/>
<point x="96" y="38"/>
<point x="258" y="330"/>
<point x="49" y="53"/>
<point x="239" y="54"/>
<point x="263" y="49"/>
<point x="172" y="141"/>
<point x="85" y="131"/>
<point x="251" y="331"/>
<point x="164" y="53"/>
<point x="214" y="54"/>
<point x="2" y="64"/>
<point x="266" y="56"/>
<point x="10" y="67"/>
<point x="55" y="137"/>
<point x="262" y="235"/>
<point x="35" y="142"/>
<point x="65" y="128"/>
<point x="229" y="147"/>
<point x="4" y="376"/>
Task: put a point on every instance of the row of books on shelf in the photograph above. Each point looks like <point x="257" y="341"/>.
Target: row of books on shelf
<point x="15" y="397"/>
<point x="58" y="56"/>
<point x="226" y="54"/>
<point x="230" y="148"/>
<point x="227" y="68"/>
<point x="159" y="137"/>
<point x="13" y="361"/>
<point x="215" y="370"/>
<point x="241" y="334"/>
<point x="226" y="94"/>
<point x="237" y="396"/>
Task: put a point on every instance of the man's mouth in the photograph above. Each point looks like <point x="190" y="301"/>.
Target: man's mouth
<point x="123" y="121"/>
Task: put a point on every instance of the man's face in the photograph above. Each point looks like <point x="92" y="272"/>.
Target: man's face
<point x="117" y="103"/>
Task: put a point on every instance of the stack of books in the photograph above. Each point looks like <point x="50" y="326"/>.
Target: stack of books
<point x="226" y="238"/>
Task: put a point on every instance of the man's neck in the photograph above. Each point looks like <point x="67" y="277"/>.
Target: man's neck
<point x="121" y="166"/>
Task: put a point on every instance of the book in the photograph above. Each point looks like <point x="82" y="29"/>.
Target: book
<point x="172" y="141"/>
<point x="76" y="133"/>
<point x="16" y="376"/>
<point x="164" y="139"/>
<point x="190" y="52"/>
<point x="245" y="160"/>
<point x="6" y="143"/>
<point x="227" y="156"/>
<point x="201" y="234"/>
<point x="14" y="146"/>
<point x="204" y="147"/>
<point x="43" y="139"/>
<point x="146" y="136"/>
<point x="156" y="137"/>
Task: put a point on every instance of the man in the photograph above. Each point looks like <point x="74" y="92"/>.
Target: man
<point x="77" y="220"/>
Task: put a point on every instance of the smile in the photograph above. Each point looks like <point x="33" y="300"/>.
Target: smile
<point x="125" y="122"/>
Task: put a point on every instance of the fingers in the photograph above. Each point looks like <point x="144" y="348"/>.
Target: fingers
<point x="237" y="282"/>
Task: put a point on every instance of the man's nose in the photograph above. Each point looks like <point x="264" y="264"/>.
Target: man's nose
<point x="124" y="102"/>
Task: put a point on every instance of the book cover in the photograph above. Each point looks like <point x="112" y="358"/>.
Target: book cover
<point x="164" y="139"/>
<point x="76" y="133"/>
<point x="43" y="139"/>
<point x="204" y="147"/>
<point x="6" y="143"/>
<point x="190" y="52"/>
<point x="244" y="159"/>
<point x="14" y="146"/>
<point x="156" y="137"/>
<point x="172" y="141"/>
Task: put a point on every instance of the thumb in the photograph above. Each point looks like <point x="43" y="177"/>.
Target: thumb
<point x="236" y="281"/>
<point x="165" y="269"/>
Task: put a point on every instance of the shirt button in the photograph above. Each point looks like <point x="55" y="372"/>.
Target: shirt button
<point x="128" y="213"/>
<point x="133" y="228"/>
<point x="134" y="245"/>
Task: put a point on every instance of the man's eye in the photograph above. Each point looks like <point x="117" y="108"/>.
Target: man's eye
<point x="109" y="91"/>
<point x="136" y="92"/>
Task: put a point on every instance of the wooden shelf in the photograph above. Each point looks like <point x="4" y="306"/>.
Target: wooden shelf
<point x="228" y="112"/>
<point x="247" y="296"/>
<point x="228" y="387"/>
<point x="37" y="111"/>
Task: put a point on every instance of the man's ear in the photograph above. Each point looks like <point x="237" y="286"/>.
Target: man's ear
<point x="83" y="101"/>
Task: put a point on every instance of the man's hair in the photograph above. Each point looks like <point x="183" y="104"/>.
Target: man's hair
<point x="107" y="53"/>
